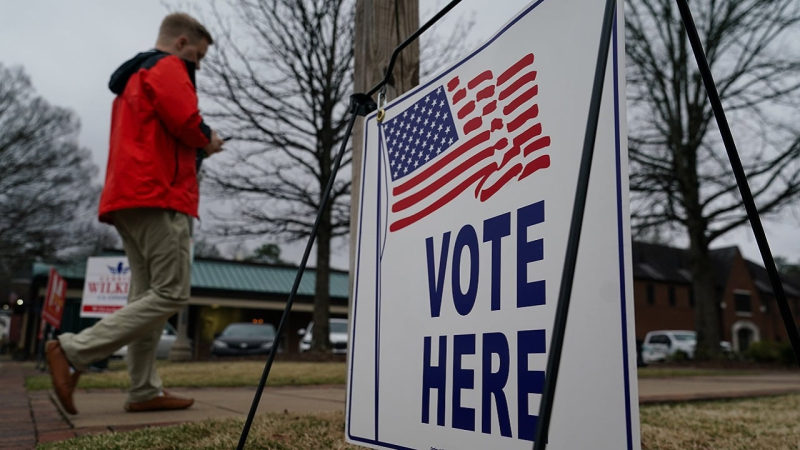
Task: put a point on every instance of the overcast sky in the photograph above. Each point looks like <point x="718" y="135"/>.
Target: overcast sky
<point x="70" y="48"/>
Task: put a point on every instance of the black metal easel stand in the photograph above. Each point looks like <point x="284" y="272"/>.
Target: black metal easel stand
<point x="562" y="310"/>
<point x="360" y="105"/>
<point x="578" y="209"/>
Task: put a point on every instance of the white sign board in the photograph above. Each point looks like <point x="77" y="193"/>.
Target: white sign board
<point x="467" y="192"/>
<point x="105" y="288"/>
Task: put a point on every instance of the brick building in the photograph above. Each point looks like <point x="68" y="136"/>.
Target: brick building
<point x="226" y="291"/>
<point x="746" y="306"/>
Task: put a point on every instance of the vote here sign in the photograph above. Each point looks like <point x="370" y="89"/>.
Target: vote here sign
<point x="467" y="192"/>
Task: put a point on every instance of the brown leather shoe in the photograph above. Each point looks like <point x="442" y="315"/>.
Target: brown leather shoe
<point x="63" y="382"/>
<point x="163" y="402"/>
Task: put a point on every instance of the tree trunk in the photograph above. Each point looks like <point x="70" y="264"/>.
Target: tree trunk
<point x="380" y="27"/>
<point x="706" y="311"/>
<point x="320" y="339"/>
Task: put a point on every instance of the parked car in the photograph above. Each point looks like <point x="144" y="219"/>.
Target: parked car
<point x="662" y="344"/>
<point x="168" y="337"/>
<point x="337" y="334"/>
<point x="244" y="338"/>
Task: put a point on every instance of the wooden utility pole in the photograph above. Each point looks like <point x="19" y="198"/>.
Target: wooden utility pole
<point x="381" y="25"/>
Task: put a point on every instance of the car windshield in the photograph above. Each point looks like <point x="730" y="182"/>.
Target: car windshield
<point x="338" y="327"/>
<point x="249" y="330"/>
<point x="685" y="336"/>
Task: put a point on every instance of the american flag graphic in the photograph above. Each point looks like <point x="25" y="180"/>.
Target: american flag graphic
<point x="479" y="133"/>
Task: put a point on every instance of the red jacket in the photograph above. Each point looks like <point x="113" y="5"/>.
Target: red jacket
<point x="156" y="130"/>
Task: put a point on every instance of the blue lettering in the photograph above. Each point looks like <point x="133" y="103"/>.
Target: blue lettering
<point x="494" y="230"/>
<point x="434" y="377"/>
<point x="529" y="293"/>
<point x="464" y="301"/>
<point x="436" y="284"/>
<point x="528" y="381"/>
<point x="463" y="418"/>
<point x="494" y="383"/>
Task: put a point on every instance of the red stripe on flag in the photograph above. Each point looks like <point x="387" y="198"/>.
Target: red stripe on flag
<point x="537" y="145"/>
<point x="522" y="81"/>
<point x="446" y="159"/>
<point x="460" y="95"/>
<point x="488" y="109"/>
<point x="467" y="109"/>
<point x="452" y="84"/>
<point x="487" y="193"/>
<point x="451" y="175"/>
<point x="517" y="102"/>
<point x="445" y="199"/>
<point x="512" y="153"/>
<point x="527" y="135"/>
<point x="485" y="93"/>
<point x="497" y="124"/>
<point x="486" y="75"/>
<point x="542" y="162"/>
<point x="526" y="61"/>
<point x="530" y="114"/>
<point x="473" y="124"/>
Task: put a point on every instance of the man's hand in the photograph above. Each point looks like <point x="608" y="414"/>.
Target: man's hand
<point x="215" y="145"/>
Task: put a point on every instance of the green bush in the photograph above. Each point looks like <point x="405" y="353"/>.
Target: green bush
<point x="762" y="351"/>
<point x="786" y="354"/>
<point x="679" y="356"/>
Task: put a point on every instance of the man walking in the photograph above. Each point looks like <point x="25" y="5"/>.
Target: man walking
<point x="150" y="196"/>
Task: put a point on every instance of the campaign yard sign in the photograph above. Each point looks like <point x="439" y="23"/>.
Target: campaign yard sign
<point x="467" y="191"/>
<point x="54" y="301"/>
<point x="105" y="288"/>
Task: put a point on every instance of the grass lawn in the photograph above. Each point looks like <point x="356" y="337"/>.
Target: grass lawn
<point x="771" y="423"/>
<point x="212" y="374"/>
<point x="284" y="373"/>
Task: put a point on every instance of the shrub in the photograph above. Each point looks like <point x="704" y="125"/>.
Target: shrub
<point x="762" y="351"/>
<point x="786" y="354"/>
<point x="679" y="356"/>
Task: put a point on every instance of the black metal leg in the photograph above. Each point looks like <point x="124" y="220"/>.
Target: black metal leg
<point x="741" y="177"/>
<point x="568" y="274"/>
<point x="361" y="104"/>
<point x="356" y="105"/>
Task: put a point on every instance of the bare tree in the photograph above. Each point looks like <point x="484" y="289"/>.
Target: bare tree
<point x="680" y="176"/>
<point x="203" y="248"/>
<point x="280" y="79"/>
<point x="267" y="253"/>
<point x="45" y="178"/>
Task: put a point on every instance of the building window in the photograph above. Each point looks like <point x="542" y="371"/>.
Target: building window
<point x="671" y="294"/>
<point x="651" y="295"/>
<point x="691" y="297"/>
<point x="743" y="303"/>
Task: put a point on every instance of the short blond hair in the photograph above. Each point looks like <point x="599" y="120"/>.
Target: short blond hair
<point x="182" y="24"/>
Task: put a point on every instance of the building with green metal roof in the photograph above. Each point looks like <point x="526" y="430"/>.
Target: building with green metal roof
<point x="222" y="292"/>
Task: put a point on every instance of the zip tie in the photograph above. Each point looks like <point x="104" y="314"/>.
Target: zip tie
<point x="381" y="104"/>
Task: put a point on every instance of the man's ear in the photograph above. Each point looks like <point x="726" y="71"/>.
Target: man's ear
<point x="182" y="42"/>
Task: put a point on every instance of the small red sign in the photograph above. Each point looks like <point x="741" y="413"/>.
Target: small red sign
<point x="56" y="297"/>
<point x="104" y="309"/>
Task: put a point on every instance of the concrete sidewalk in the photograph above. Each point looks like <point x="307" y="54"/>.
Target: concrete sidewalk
<point x="99" y="408"/>
<point x="27" y="418"/>
<point x="682" y="389"/>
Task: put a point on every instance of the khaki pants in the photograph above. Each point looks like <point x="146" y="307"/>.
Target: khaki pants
<point x="157" y="243"/>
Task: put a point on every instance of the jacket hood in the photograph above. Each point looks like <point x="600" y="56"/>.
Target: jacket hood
<point x="119" y="79"/>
